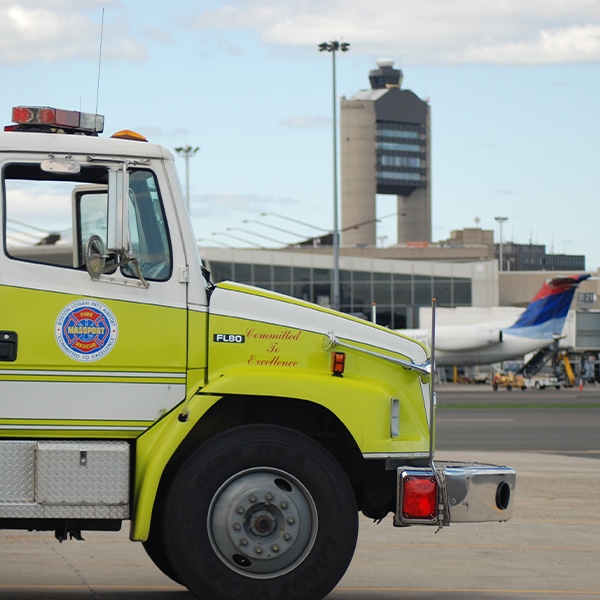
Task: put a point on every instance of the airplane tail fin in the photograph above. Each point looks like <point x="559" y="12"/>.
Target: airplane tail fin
<point x="546" y="314"/>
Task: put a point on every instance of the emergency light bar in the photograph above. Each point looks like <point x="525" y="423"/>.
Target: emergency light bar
<point x="44" y="118"/>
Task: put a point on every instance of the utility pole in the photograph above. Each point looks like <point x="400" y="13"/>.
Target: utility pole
<point x="187" y="152"/>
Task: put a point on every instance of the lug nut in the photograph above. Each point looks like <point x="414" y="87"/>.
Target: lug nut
<point x="287" y="537"/>
<point x="269" y="497"/>
<point x="275" y="548"/>
<point x="237" y="526"/>
<point x="258" y="550"/>
<point x="291" y="520"/>
<point x="252" y="498"/>
<point x="243" y="542"/>
<point x="283" y="504"/>
<point x="240" y="510"/>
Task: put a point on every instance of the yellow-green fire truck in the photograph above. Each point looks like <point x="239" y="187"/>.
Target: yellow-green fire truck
<point x="238" y="430"/>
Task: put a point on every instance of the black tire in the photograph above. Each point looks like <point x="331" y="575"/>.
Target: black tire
<point x="260" y="509"/>
<point x="155" y="549"/>
<point x="495" y="386"/>
<point x="508" y="388"/>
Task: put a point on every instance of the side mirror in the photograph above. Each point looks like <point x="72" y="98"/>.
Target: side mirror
<point x="95" y="257"/>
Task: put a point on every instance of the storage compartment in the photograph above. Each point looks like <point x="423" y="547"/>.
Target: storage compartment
<point x="64" y="479"/>
<point x="82" y="473"/>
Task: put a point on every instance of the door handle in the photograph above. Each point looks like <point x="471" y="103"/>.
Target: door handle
<point x="8" y="346"/>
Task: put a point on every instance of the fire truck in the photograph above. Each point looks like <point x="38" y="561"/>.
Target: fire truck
<point x="240" y="432"/>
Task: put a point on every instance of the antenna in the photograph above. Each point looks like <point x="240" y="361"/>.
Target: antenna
<point x="432" y="402"/>
<point x="99" y="64"/>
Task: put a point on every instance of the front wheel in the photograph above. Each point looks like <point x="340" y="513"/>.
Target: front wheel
<point x="154" y="548"/>
<point x="260" y="507"/>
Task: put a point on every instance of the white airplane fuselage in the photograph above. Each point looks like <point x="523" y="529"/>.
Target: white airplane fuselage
<point x="476" y="344"/>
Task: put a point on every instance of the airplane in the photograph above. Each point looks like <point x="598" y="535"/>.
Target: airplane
<point x="538" y="326"/>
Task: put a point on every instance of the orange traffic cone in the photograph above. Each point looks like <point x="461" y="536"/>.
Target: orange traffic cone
<point x="581" y="385"/>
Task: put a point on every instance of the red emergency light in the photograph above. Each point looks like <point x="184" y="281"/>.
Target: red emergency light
<point x="44" y="118"/>
<point x="418" y="497"/>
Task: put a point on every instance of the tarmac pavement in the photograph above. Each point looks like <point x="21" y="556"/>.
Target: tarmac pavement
<point x="549" y="549"/>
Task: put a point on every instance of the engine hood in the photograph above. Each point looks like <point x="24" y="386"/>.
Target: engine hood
<point x="258" y="306"/>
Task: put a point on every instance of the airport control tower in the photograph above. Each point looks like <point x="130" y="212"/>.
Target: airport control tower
<point x="385" y="149"/>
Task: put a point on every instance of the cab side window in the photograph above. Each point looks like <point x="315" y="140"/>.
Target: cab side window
<point x="51" y="216"/>
<point x="147" y="228"/>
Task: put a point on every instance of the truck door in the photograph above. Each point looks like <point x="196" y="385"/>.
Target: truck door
<point x="92" y="333"/>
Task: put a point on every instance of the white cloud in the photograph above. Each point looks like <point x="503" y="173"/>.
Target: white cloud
<point x="34" y="31"/>
<point x="306" y="122"/>
<point x="428" y="31"/>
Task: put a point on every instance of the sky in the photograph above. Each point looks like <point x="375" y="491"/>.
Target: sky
<point x="514" y="90"/>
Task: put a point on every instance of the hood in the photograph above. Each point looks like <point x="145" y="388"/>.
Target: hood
<point x="262" y="306"/>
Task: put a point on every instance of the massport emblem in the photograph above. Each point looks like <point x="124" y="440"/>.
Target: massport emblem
<point x="86" y="330"/>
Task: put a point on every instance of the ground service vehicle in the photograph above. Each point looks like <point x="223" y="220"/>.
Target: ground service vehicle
<point x="238" y="430"/>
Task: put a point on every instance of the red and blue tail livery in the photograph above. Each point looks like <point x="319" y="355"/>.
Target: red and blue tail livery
<point x="545" y="316"/>
<point x="485" y="343"/>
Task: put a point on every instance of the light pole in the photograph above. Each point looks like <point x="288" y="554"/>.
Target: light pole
<point x="270" y="214"/>
<point x="237" y="238"/>
<point x="187" y="152"/>
<point x="264" y="237"/>
<point x="273" y="227"/>
<point x="213" y="242"/>
<point x="500" y="220"/>
<point x="334" y="47"/>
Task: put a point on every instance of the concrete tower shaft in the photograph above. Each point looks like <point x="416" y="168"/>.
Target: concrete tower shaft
<point x="358" y="164"/>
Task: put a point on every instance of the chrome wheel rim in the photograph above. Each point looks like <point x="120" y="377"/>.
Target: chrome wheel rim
<point x="262" y="522"/>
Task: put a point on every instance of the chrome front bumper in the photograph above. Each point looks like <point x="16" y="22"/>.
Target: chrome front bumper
<point x="467" y="493"/>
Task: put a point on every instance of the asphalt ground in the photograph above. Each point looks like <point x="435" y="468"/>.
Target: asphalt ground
<point x="474" y="418"/>
<point x="549" y="549"/>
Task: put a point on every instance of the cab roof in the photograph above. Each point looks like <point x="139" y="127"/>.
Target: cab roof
<point x="30" y="142"/>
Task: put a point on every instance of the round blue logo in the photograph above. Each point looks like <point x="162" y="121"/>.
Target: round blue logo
<point x="86" y="330"/>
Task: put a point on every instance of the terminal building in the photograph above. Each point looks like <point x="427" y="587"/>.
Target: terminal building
<point x="388" y="291"/>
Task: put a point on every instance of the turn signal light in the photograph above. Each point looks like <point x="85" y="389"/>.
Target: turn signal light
<point x="338" y="363"/>
<point x="419" y="497"/>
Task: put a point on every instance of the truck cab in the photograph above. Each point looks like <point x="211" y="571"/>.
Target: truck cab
<point x="239" y="431"/>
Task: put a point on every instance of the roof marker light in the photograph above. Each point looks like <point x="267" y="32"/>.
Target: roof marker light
<point x="127" y="134"/>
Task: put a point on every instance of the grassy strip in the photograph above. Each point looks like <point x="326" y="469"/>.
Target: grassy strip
<point x="463" y="405"/>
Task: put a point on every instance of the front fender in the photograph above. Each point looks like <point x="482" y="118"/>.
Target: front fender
<point x="154" y="450"/>
<point x="363" y="405"/>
